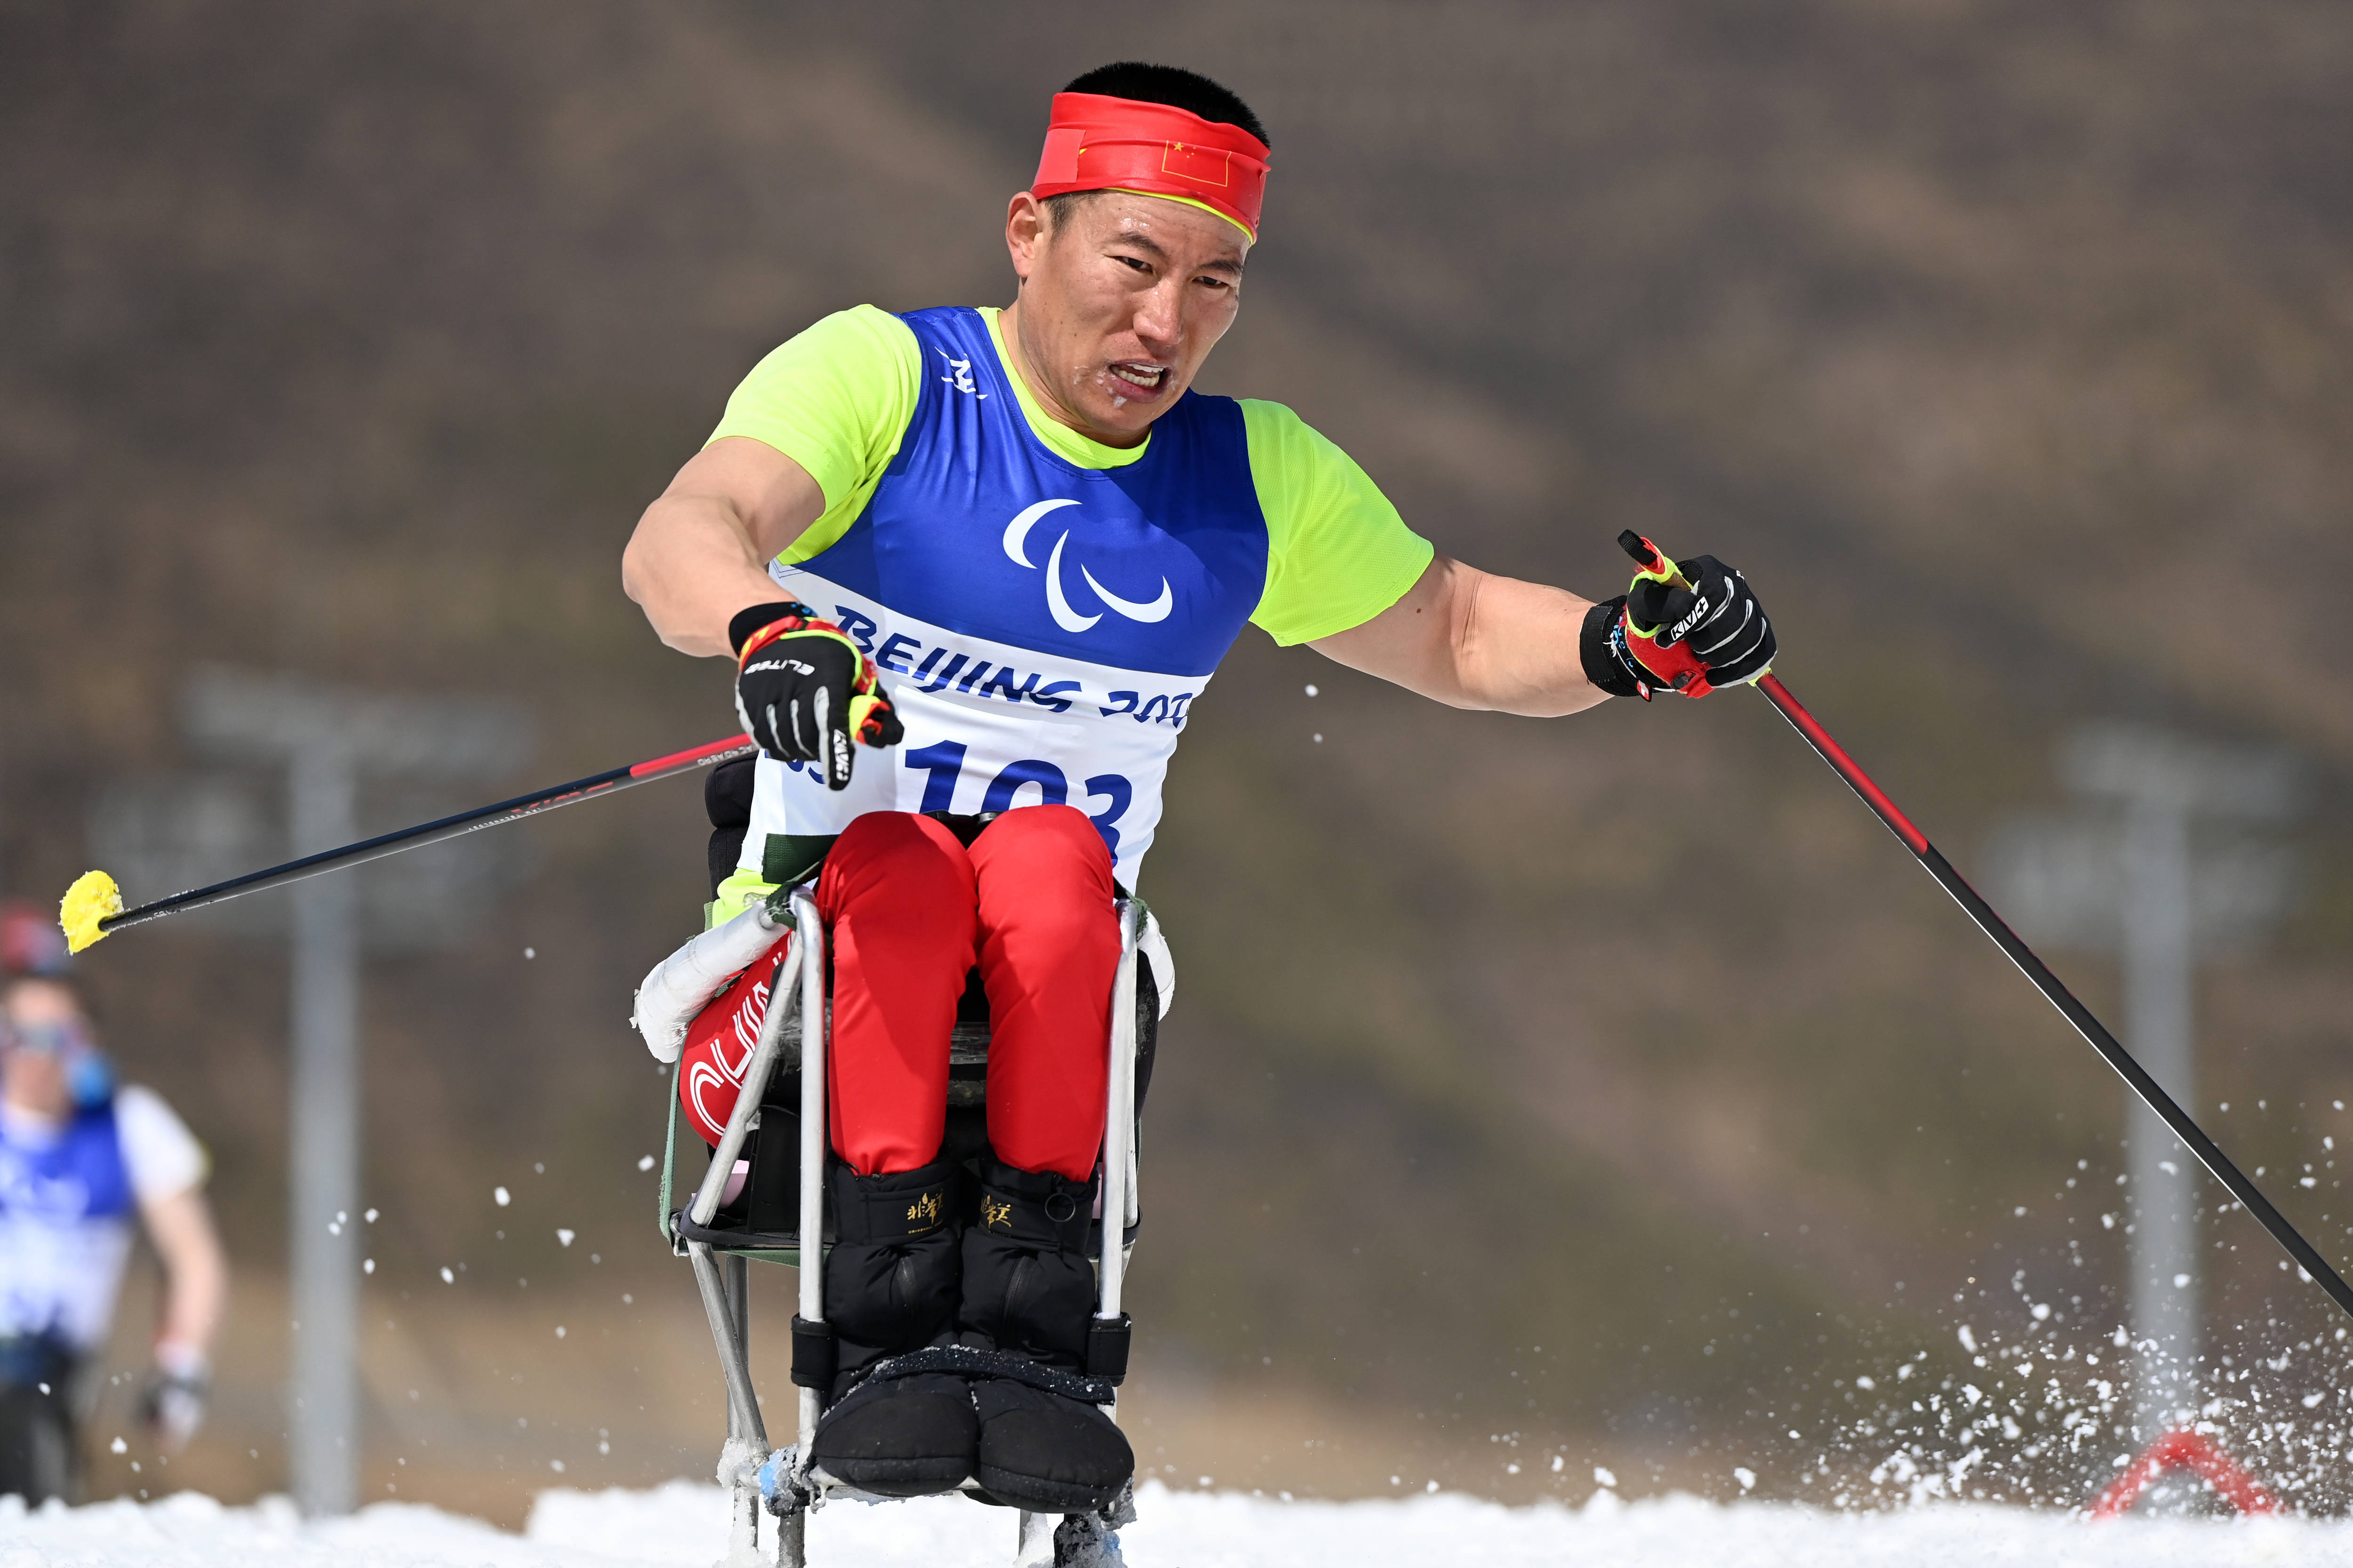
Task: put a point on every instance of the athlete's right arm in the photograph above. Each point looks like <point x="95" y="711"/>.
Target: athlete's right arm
<point x="803" y="443"/>
<point x="701" y="552"/>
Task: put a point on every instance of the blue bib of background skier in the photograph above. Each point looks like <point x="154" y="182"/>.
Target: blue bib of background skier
<point x="66" y="1208"/>
<point x="78" y="1177"/>
<point x="978" y="528"/>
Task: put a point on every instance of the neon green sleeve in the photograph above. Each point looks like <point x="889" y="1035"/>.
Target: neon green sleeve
<point x="835" y="399"/>
<point x="1337" y="553"/>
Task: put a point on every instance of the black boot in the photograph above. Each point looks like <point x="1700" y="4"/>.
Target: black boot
<point x="1028" y="1290"/>
<point x="890" y="1287"/>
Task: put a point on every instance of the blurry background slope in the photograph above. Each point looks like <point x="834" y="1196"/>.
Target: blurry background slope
<point x="1611" y="1089"/>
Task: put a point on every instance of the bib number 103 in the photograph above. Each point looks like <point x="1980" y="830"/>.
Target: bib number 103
<point x="944" y="765"/>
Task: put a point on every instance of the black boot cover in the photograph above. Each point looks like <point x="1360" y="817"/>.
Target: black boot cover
<point x="1028" y="1290"/>
<point x="891" y="1287"/>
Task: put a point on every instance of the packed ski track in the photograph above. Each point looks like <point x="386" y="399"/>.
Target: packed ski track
<point x="684" y="1524"/>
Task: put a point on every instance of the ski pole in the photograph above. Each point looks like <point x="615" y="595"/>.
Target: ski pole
<point x="2136" y="1075"/>
<point x="93" y="908"/>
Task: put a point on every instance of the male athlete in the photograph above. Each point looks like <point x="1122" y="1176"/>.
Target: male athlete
<point x="1003" y="550"/>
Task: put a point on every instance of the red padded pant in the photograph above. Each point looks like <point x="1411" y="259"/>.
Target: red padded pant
<point x="908" y="911"/>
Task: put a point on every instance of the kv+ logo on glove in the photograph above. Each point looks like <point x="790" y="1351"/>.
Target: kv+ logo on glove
<point x="803" y="690"/>
<point x="1686" y="629"/>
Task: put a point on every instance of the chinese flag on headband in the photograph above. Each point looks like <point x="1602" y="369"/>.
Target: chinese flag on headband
<point x="1098" y="142"/>
<point x="1198" y="166"/>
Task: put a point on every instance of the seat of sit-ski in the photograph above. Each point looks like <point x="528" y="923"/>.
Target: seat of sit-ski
<point x="761" y="1211"/>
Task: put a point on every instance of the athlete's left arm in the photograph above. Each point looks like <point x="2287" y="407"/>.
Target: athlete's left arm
<point x="1472" y="639"/>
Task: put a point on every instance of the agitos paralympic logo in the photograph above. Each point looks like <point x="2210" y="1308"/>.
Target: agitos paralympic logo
<point x="1017" y="535"/>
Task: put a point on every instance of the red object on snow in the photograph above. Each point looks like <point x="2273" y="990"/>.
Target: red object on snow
<point x="2183" y="1450"/>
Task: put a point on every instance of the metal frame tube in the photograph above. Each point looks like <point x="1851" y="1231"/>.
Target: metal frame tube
<point x="736" y="1273"/>
<point x="742" y="1410"/>
<point x="755" y="1085"/>
<point x="1119" y="1113"/>
<point x="808" y="940"/>
<point x="725" y="1293"/>
<point x="1033" y="1542"/>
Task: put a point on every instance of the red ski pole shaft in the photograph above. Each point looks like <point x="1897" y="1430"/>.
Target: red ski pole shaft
<point x="94" y="890"/>
<point x="2034" y="969"/>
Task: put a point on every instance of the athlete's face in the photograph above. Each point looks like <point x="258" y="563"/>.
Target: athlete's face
<point x="1119" y="305"/>
<point x="35" y="1079"/>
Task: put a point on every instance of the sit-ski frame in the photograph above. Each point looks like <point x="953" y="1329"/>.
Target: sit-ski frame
<point x="784" y="1483"/>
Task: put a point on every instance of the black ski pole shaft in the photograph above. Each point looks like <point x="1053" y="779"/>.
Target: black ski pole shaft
<point x="2184" y="1127"/>
<point x="93" y="908"/>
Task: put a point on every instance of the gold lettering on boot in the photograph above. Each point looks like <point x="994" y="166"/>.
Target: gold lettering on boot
<point x="923" y="1213"/>
<point x="996" y="1214"/>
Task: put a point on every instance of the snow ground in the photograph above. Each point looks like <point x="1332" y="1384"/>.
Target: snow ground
<point x="682" y="1525"/>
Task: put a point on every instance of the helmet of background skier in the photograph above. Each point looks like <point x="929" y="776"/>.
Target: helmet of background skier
<point x="30" y="942"/>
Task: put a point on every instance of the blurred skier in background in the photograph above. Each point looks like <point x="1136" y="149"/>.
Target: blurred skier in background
<point x="84" y="1163"/>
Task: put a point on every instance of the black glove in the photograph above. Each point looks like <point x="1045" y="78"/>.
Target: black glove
<point x="1710" y="631"/>
<point x="803" y="690"/>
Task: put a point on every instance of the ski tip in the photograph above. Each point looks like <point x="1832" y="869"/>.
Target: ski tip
<point x="91" y="902"/>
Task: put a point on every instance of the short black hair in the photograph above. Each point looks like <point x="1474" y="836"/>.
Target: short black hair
<point x="1173" y="86"/>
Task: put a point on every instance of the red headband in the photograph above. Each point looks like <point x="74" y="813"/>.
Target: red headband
<point x="1095" y="142"/>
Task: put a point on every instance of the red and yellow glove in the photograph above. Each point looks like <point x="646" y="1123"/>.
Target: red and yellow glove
<point x="1686" y="629"/>
<point x="803" y="690"/>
